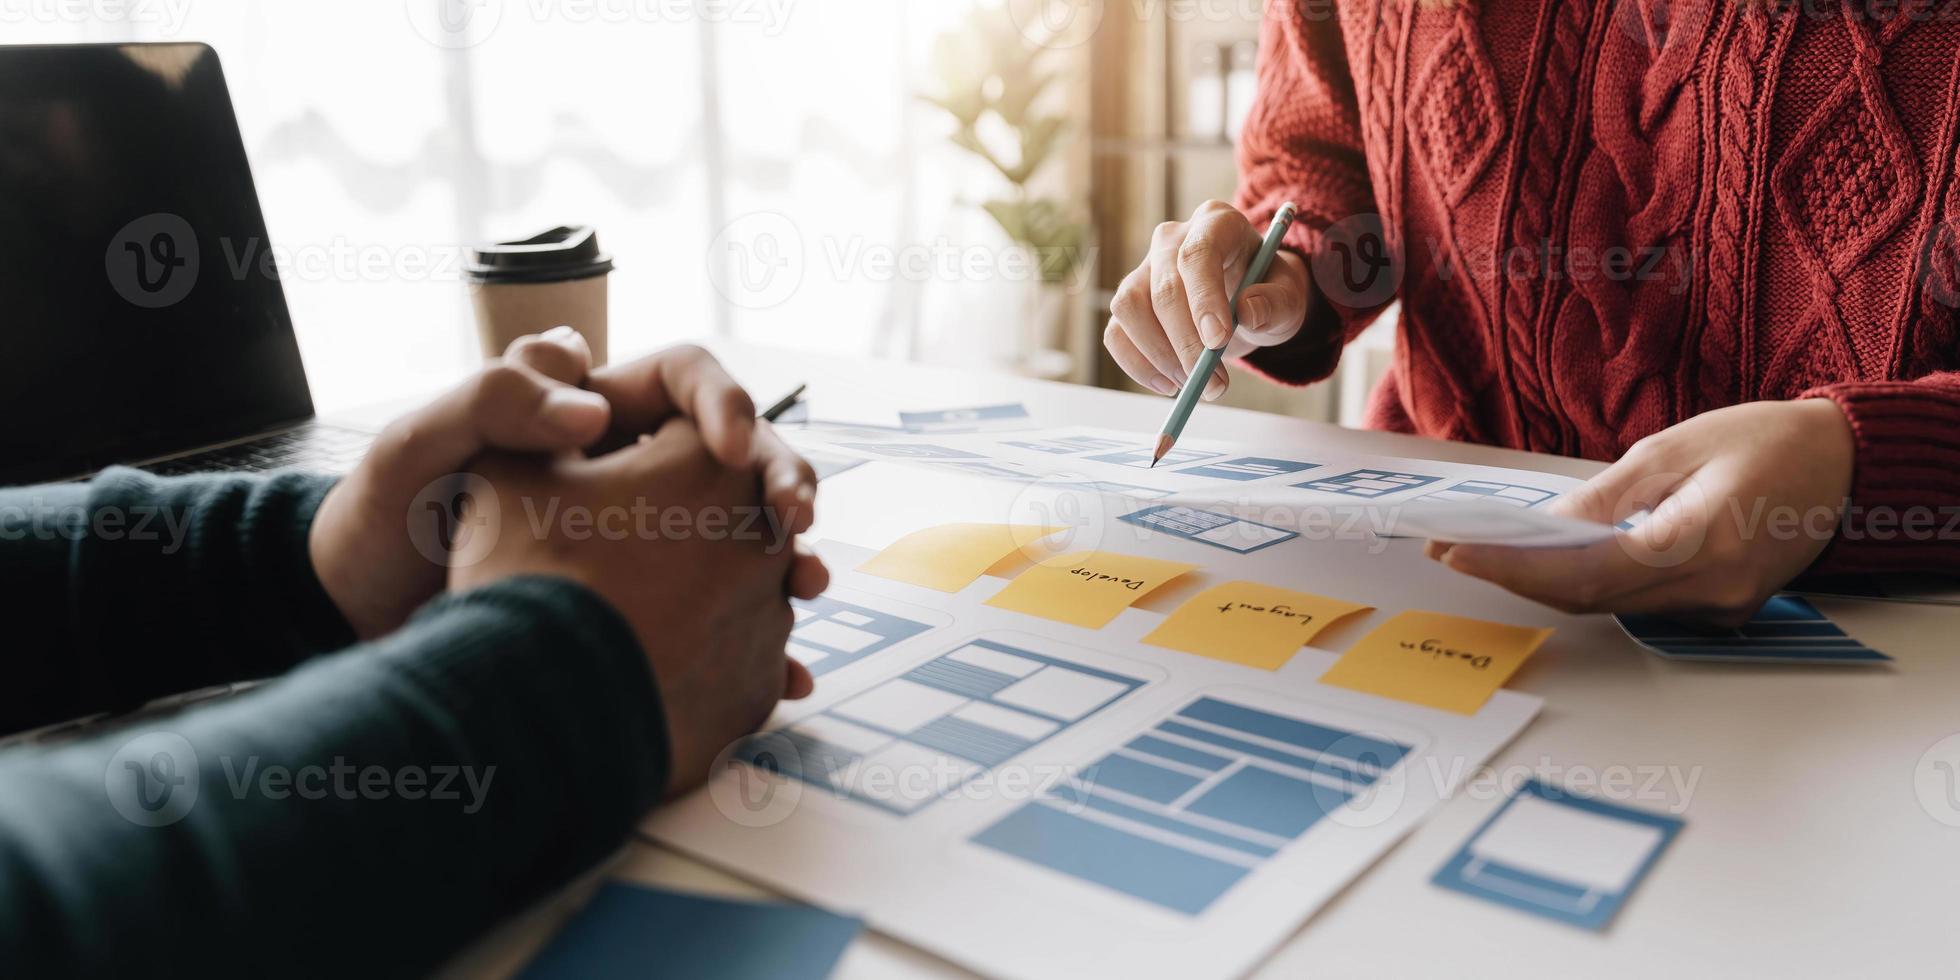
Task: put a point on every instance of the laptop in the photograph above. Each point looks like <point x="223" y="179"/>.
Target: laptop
<point x="129" y="333"/>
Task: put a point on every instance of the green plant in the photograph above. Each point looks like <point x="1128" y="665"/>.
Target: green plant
<point x="989" y="72"/>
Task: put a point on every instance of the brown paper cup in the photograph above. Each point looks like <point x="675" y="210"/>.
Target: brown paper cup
<point x="556" y="278"/>
<point x="507" y="311"/>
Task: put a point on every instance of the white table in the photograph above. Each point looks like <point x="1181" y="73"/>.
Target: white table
<point x="1807" y="851"/>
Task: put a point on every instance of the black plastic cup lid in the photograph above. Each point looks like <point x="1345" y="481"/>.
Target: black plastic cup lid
<point x="558" y="255"/>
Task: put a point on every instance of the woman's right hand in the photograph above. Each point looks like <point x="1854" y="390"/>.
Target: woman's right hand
<point x="1179" y="301"/>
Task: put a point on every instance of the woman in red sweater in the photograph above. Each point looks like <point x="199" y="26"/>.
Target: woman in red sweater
<point x="1714" y="240"/>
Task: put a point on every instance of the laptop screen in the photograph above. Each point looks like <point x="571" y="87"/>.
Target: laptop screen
<point x="136" y="318"/>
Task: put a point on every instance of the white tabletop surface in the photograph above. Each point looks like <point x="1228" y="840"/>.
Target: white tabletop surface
<point x="1822" y="809"/>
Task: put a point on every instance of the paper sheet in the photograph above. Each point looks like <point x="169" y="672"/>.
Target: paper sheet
<point x="1260" y="626"/>
<point x="1446" y="662"/>
<point x="1057" y="848"/>
<point x="949" y="557"/>
<point x="1086" y="588"/>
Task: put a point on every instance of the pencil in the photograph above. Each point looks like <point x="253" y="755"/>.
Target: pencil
<point x="783" y="404"/>
<point x="1194" y="386"/>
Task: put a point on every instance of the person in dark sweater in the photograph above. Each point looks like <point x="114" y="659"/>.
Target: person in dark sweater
<point x="463" y="717"/>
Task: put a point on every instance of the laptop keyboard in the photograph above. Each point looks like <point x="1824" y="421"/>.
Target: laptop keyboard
<point x="315" y="447"/>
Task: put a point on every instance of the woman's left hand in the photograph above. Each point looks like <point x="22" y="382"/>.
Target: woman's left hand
<point x="1742" y="500"/>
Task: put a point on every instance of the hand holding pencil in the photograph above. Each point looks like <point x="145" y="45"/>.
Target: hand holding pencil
<point x="1202" y="376"/>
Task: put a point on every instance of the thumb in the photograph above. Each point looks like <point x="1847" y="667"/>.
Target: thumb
<point x="1637" y="482"/>
<point x="1272" y="312"/>
<point x="503" y="407"/>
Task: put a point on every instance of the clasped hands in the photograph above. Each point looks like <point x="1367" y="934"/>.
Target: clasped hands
<point x="562" y="464"/>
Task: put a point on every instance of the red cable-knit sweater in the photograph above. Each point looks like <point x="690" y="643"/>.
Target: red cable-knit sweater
<point x="1603" y="217"/>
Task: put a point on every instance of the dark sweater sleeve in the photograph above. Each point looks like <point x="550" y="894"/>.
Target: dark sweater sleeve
<point x="132" y="587"/>
<point x="366" y="814"/>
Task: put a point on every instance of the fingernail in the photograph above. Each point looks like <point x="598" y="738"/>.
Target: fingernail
<point x="1160" y="384"/>
<point x="1255" y="313"/>
<point x="1212" y="329"/>
<point x="562" y="330"/>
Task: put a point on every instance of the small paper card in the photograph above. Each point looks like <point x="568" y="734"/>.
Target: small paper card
<point x="1087" y="588"/>
<point x="1446" y="662"/>
<point x="1568" y="858"/>
<point x="1247" y="623"/>
<point x="950" y="557"/>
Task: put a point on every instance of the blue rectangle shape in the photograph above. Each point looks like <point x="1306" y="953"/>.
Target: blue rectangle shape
<point x="1787" y="607"/>
<point x="1560" y="901"/>
<point x="1380" y="753"/>
<point x="1263" y="800"/>
<point x="795" y="755"/>
<point x="1138" y="778"/>
<point x="1191" y="524"/>
<point x="965" y="680"/>
<point x="967" y="740"/>
<point x="631" y="931"/>
<point x="1144" y="869"/>
<point x="1357" y="483"/>
<point x="890" y="630"/>
<point x="1787" y="629"/>
<point x="1176" y="753"/>
<point x="1248" y="468"/>
<point x="1076" y="796"/>
<point x="1321" y="764"/>
<point x="950" y="419"/>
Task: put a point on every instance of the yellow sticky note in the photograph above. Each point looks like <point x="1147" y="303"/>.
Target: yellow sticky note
<point x="1086" y="588"/>
<point x="1248" y="623"/>
<point x="948" y="558"/>
<point x="1446" y="662"/>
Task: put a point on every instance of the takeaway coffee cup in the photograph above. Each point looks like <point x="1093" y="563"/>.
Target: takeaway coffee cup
<point x="548" y="280"/>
